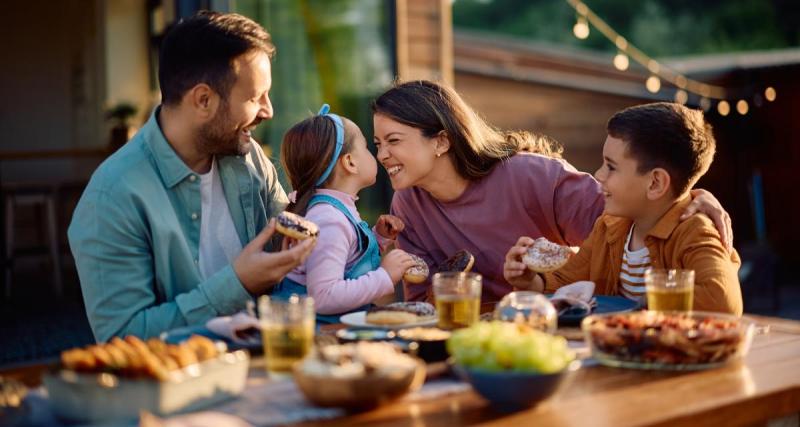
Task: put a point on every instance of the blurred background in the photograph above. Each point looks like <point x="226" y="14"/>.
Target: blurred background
<point x="79" y="77"/>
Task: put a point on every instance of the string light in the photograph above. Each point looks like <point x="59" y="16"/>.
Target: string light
<point x="770" y="94"/>
<point x="653" y="84"/>
<point x="723" y="108"/>
<point x="581" y="28"/>
<point x="621" y="61"/>
<point x="742" y="107"/>
<point x="685" y="85"/>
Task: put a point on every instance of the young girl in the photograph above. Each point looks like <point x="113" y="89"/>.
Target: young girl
<point x="328" y="163"/>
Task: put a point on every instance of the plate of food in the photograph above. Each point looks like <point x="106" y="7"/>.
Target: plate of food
<point x="667" y="340"/>
<point x="397" y="315"/>
<point x="112" y="382"/>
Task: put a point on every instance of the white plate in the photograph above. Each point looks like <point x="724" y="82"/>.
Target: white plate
<point x="359" y="318"/>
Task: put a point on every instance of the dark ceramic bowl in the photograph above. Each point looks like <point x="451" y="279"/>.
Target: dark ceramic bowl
<point x="431" y="348"/>
<point x="514" y="390"/>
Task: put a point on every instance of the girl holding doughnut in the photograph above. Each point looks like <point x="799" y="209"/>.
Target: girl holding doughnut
<point x="462" y="184"/>
<point x="327" y="162"/>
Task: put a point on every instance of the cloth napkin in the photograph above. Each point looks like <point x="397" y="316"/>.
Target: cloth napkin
<point x="582" y="291"/>
<point x="241" y="328"/>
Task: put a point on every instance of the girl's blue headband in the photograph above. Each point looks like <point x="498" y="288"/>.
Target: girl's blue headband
<point x="337" y="122"/>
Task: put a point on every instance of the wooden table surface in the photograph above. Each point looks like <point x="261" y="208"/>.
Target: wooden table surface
<point x="766" y="385"/>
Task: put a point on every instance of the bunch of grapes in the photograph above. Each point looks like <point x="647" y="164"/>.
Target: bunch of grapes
<point x="498" y="346"/>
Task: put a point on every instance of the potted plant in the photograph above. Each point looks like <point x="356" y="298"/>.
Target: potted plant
<point x="121" y="130"/>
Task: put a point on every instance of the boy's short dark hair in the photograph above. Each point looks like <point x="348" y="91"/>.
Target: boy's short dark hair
<point x="669" y="136"/>
<point x="201" y="49"/>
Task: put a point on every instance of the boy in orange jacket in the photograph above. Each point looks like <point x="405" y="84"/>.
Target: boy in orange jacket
<point x="653" y="155"/>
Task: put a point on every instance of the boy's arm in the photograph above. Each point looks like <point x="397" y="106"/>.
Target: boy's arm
<point x="716" y="280"/>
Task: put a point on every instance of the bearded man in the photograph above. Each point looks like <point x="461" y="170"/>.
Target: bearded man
<point x="174" y="228"/>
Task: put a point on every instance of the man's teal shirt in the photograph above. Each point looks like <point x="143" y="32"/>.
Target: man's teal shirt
<point x="135" y="236"/>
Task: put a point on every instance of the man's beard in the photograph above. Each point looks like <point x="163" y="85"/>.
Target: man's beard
<point x="216" y="137"/>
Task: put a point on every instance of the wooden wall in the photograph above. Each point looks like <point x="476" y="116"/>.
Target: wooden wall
<point x="424" y="40"/>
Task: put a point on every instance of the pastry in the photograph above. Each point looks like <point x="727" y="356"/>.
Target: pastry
<point x="545" y="256"/>
<point x="295" y="226"/>
<point x="399" y="313"/>
<point x="418" y="273"/>
<point x="461" y="261"/>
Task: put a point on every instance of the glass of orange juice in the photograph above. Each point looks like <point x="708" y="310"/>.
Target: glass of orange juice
<point x="287" y="330"/>
<point x="458" y="298"/>
<point x="669" y="289"/>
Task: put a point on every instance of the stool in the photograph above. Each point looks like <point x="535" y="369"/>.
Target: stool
<point x="44" y="195"/>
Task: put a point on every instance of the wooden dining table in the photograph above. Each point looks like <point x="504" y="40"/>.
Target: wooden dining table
<point x="764" y="386"/>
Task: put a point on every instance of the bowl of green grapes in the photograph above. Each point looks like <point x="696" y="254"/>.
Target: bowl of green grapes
<point x="511" y="365"/>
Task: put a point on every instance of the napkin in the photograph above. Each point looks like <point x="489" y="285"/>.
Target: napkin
<point x="574" y="299"/>
<point x="241" y="328"/>
<point x="582" y="291"/>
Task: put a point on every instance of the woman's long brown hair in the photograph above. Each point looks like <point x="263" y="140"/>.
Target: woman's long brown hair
<point x="475" y="146"/>
<point x="305" y="154"/>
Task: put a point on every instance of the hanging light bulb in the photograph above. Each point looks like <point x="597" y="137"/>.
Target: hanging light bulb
<point x="742" y="107"/>
<point x="681" y="96"/>
<point x="581" y="28"/>
<point x="770" y="94"/>
<point x="705" y="104"/>
<point x="621" y="61"/>
<point x="723" y="108"/>
<point x="653" y="84"/>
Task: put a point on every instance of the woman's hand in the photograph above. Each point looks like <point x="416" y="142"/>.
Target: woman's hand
<point x="705" y="202"/>
<point x="389" y="226"/>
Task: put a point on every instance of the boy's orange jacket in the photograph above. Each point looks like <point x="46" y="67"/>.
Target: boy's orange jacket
<point x="692" y="244"/>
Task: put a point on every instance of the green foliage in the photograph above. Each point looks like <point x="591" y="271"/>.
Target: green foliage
<point x="658" y="27"/>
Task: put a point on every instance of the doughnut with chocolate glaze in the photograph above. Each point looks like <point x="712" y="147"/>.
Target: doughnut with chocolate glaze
<point x="461" y="261"/>
<point x="295" y="226"/>
<point x="418" y="273"/>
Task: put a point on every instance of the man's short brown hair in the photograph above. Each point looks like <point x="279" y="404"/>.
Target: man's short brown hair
<point x="201" y="49"/>
<point x="669" y="136"/>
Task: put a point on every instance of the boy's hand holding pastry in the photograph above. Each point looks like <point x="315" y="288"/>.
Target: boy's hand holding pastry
<point x="514" y="270"/>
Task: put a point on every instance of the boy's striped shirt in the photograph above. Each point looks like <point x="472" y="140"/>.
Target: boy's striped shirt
<point x="631" y="276"/>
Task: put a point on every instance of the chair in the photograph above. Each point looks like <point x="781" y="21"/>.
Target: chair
<point x="44" y="196"/>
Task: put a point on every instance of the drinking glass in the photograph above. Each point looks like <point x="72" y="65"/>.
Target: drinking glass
<point x="530" y="308"/>
<point x="287" y="329"/>
<point x="458" y="298"/>
<point x="669" y="290"/>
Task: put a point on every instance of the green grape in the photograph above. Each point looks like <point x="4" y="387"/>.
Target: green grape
<point x="498" y="345"/>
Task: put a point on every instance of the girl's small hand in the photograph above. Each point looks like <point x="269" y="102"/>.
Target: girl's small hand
<point x="396" y="263"/>
<point x="389" y="226"/>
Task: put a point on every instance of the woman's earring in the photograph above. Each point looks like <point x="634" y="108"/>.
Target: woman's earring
<point x="438" y="155"/>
